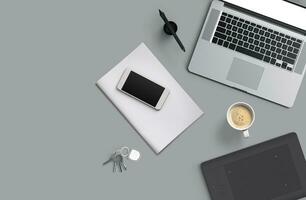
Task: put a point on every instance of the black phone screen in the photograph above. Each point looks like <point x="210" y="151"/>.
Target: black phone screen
<point x="143" y="89"/>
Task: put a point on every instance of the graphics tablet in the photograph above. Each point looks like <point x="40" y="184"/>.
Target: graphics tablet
<point x="272" y="170"/>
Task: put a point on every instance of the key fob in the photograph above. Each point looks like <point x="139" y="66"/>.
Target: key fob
<point x="134" y="155"/>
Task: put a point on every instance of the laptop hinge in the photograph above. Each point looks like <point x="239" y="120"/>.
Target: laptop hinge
<point x="265" y="18"/>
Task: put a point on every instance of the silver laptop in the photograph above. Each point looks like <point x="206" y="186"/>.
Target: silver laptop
<point x="257" y="46"/>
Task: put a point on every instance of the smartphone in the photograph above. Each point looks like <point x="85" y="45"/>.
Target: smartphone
<point x="143" y="89"/>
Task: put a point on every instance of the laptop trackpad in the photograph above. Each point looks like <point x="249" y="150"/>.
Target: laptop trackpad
<point x="245" y="73"/>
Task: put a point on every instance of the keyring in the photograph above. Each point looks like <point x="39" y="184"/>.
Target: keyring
<point x="125" y="151"/>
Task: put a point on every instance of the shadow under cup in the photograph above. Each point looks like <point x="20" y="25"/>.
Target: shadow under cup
<point x="241" y="116"/>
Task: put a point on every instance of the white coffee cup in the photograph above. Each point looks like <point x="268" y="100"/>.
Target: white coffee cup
<point x="241" y="116"/>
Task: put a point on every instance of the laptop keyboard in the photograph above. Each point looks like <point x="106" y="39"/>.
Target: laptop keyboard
<point x="257" y="41"/>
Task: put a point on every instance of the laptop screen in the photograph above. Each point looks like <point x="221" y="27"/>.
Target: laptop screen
<point x="298" y="2"/>
<point x="280" y="10"/>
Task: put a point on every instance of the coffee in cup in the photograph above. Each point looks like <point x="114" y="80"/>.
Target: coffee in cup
<point x="240" y="116"/>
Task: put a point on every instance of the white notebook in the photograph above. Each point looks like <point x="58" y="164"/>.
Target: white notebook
<point x="158" y="128"/>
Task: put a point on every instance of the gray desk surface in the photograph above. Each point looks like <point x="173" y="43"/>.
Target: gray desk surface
<point x="57" y="127"/>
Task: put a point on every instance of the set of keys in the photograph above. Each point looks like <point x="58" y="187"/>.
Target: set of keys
<point x="118" y="156"/>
